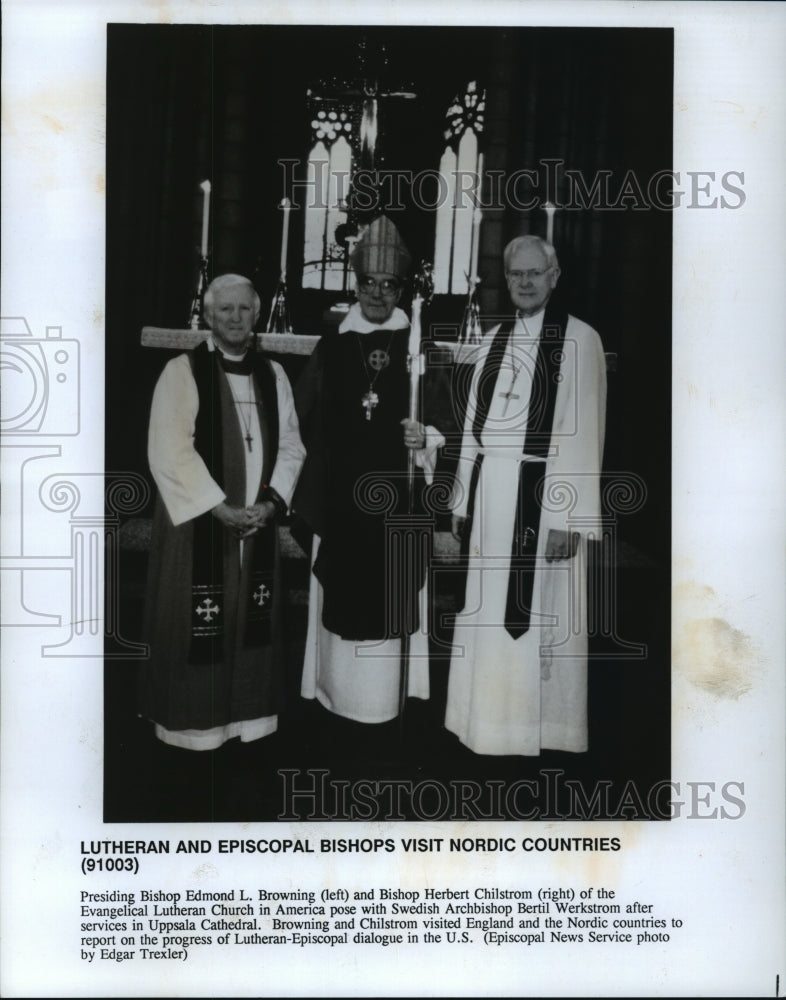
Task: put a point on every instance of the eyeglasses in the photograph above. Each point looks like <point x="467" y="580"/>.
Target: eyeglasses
<point x="532" y="272"/>
<point x="387" y="286"/>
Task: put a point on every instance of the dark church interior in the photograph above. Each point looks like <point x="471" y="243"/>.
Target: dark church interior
<point x="232" y="103"/>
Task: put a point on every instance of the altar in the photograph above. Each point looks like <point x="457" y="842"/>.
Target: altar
<point x="301" y="344"/>
<point x="264" y="151"/>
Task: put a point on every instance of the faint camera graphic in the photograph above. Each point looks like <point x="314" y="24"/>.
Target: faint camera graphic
<point x="40" y="380"/>
<point x="80" y="538"/>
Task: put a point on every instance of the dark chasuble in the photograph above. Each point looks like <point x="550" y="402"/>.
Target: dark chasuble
<point x="351" y="400"/>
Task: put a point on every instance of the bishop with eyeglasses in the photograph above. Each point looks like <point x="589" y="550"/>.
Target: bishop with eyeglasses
<point x="526" y="503"/>
<point x="352" y="402"/>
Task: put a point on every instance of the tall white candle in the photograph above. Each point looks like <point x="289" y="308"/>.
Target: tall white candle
<point x="205" y="185"/>
<point x="476" y="220"/>
<point x="549" y="210"/>
<point x="286" y="204"/>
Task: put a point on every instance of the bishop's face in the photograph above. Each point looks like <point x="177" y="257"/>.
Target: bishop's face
<point x="530" y="280"/>
<point x="232" y="318"/>
<point x="378" y="295"/>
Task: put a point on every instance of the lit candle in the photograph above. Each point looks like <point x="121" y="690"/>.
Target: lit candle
<point x="286" y="205"/>
<point x="205" y="185"/>
<point x="549" y="210"/>
<point x="476" y="219"/>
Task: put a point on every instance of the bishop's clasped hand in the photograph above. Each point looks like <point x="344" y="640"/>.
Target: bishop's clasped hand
<point x="245" y="521"/>
<point x="414" y="434"/>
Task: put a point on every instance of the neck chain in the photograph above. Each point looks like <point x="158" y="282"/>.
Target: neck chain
<point x="515" y="365"/>
<point x="370" y="399"/>
<point x="510" y="394"/>
<point x="239" y="404"/>
<point x="523" y="320"/>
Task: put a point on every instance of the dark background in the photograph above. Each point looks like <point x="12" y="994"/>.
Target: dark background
<point x="185" y="103"/>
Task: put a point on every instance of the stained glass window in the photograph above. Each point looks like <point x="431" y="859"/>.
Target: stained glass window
<point x="330" y="164"/>
<point x="458" y="215"/>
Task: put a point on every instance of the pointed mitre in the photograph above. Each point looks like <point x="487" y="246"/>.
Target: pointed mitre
<point x="381" y="250"/>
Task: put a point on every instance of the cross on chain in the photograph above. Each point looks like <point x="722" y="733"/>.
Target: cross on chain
<point x="208" y="610"/>
<point x="369" y="401"/>
<point x="510" y="394"/>
<point x="243" y="419"/>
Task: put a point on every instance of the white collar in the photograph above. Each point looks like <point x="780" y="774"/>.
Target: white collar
<point x="530" y="326"/>
<point x="212" y="346"/>
<point x="356" y="321"/>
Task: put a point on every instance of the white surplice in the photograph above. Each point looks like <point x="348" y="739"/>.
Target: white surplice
<point x="188" y="490"/>
<point x="518" y="696"/>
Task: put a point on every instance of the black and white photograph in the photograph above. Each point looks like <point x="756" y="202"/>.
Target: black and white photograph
<point x="392" y="524"/>
<point x="461" y="576"/>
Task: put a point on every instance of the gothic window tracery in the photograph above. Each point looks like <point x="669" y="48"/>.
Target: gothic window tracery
<point x="330" y="166"/>
<point x="461" y="166"/>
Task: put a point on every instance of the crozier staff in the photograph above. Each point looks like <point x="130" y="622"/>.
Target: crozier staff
<point x="225" y="452"/>
<point x="529" y="478"/>
<point x="353" y="401"/>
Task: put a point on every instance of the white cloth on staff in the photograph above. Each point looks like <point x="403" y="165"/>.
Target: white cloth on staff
<point x="518" y="696"/>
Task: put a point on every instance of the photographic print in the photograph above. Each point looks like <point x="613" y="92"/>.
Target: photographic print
<point x="437" y="145"/>
<point x="392" y="472"/>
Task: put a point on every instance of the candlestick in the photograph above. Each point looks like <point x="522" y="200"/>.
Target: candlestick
<point x="476" y="220"/>
<point x="350" y="241"/>
<point x="197" y="318"/>
<point x="471" y="331"/>
<point x="286" y="205"/>
<point x="278" y="321"/>
<point x="205" y="185"/>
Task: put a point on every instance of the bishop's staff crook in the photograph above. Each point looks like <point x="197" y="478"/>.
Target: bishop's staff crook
<point x="422" y="292"/>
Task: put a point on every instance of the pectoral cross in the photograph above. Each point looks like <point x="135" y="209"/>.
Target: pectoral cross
<point x="369" y="401"/>
<point x="248" y="439"/>
<point x="510" y="394"/>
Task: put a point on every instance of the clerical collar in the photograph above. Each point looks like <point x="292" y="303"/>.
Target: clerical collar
<point x="357" y="322"/>
<point x="232" y="367"/>
<point x="233" y="364"/>
<point x="530" y="326"/>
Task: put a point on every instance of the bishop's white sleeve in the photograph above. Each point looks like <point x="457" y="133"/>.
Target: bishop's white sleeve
<point x="572" y="492"/>
<point x="182" y="478"/>
<point x="291" y="451"/>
